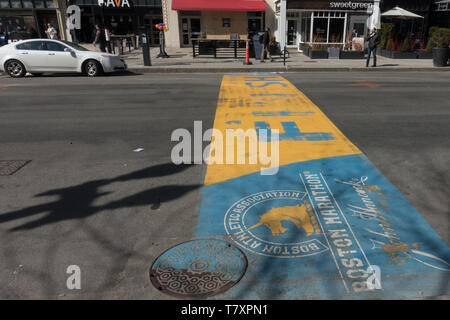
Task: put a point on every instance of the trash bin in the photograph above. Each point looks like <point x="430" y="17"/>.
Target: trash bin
<point x="257" y="46"/>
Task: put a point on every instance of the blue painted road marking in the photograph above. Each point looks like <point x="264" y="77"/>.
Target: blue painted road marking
<point x="292" y="132"/>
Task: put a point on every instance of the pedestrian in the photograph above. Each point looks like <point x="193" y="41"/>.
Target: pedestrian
<point x="373" y="41"/>
<point x="265" y="43"/>
<point x="100" y="38"/>
<point x="354" y="33"/>
<point x="3" y="39"/>
<point x="108" y="40"/>
<point x="51" y="32"/>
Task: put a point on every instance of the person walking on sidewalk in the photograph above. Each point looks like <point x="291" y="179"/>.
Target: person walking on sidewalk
<point x="51" y="32"/>
<point x="108" y="40"/>
<point x="373" y="41"/>
<point x="100" y="38"/>
<point x="265" y="43"/>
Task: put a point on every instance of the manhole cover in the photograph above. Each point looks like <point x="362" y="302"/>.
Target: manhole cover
<point x="8" y="167"/>
<point x="198" y="268"/>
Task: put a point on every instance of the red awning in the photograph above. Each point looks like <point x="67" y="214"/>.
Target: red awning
<point x="219" y="5"/>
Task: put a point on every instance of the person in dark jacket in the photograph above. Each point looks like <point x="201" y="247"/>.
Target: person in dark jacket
<point x="265" y="43"/>
<point x="100" y="38"/>
<point x="374" y="41"/>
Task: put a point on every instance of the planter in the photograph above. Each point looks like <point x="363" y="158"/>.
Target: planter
<point x="318" y="54"/>
<point x="387" y="53"/>
<point x="403" y="55"/>
<point x="351" y="55"/>
<point x="306" y="51"/>
<point x="441" y="57"/>
<point x="333" y="53"/>
<point x="425" y="55"/>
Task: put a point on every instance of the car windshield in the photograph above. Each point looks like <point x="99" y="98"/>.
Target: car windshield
<point x="75" y="46"/>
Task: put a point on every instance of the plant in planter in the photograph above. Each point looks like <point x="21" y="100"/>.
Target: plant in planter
<point x="385" y="34"/>
<point x="405" y="46"/>
<point x="441" y="47"/>
<point x="405" y="51"/>
<point x="389" y="48"/>
<point x="318" y="50"/>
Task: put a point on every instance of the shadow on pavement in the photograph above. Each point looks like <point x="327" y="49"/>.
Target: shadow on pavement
<point x="66" y="75"/>
<point x="76" y="202"/>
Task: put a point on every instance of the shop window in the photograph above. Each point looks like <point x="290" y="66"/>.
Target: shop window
<point x="255" y="25"/>
<point x="320" y="27"/>
<point x="4" y="4"/>
<point x="305" y="27"/>
<point x="27" y="4"/>
<point x="49" y="4"/>
<point x="16" y="4"/>
<point x="39" y="4"/>
<point x="336" y="34"/>
<point x="226" y="22"/>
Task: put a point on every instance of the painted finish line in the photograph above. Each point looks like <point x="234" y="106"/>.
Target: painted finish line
<point x="314" y="229"/>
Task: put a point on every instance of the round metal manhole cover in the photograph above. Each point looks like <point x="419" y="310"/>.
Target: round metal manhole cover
<point x="198" y="268"/>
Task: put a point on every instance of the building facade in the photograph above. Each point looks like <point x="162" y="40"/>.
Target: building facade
<point x="122" y="17"/>
<point x="24" y="19"/>
<point x="325" y="22"/>
<point x="188" y="20"/>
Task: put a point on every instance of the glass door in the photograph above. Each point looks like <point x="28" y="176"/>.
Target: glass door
<point x="292" y="32"/>
<point x="191" y="29"/>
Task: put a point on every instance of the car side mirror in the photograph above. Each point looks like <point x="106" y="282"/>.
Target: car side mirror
<point x="68" y="50"/>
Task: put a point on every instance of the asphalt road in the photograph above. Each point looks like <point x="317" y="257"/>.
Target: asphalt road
<point x="87" y="199"/>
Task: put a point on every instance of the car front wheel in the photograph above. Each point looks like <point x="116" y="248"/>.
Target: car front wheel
<point x="15" y="68"/>
<point x="92" y="68"/>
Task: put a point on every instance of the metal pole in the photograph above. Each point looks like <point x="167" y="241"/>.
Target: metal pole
<point x="282" y="25"/>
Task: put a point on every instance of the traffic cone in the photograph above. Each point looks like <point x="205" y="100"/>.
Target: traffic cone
<point x="247" y="53"/>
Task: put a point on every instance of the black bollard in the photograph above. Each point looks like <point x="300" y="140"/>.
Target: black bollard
<point x="145" y="47"/>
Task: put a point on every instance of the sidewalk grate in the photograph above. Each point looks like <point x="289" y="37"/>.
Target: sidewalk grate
<point x="198" y="268"/>
<point x="9" y="167"/>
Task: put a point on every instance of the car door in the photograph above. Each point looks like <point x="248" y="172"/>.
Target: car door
<point x="32" y="54"/>
<point x="60" y="57"/>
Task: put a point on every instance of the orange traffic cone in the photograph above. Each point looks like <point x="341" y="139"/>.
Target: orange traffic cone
<point x="247" y="53"/>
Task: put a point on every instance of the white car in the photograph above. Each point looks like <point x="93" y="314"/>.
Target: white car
<point x="38" y="56"/>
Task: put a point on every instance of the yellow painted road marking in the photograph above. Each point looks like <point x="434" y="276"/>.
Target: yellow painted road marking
<point x="246" y="100"/>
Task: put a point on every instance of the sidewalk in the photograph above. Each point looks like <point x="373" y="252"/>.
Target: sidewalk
<point x="181" y="60"/>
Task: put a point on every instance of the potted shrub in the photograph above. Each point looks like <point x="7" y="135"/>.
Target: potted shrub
<point x="441" y="47"/>
<point x="385" y="35"/>
<point x="389" y="46"/>
<point x="428" y="53"/>
<point x="405" y="51"/>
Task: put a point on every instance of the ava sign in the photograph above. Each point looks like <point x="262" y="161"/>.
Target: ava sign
<point x="114" y="3"/>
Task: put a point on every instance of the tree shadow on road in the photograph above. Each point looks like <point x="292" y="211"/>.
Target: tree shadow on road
<point x="76" y="202"/>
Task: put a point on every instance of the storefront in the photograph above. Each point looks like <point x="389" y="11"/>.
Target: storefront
<point x="122" y="17"/>
<point x="325" y="22"/>
<point x="25" y="19"/>
<point x="215" y="19"/>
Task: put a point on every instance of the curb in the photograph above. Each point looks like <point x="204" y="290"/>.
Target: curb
<point x="287" y="69"/>
<point x="282" y="70"/>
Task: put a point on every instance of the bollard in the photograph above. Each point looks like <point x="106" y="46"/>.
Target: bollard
<point x="145" y="47"/>
<point x="247" y="53"/>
